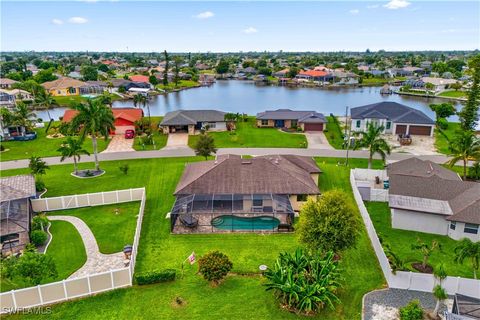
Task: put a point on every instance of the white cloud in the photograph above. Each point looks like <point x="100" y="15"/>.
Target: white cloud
<point x="373" y="6"/>
<point x="78" y="20"/>
<point x="250" y="30"/>
<point x="397" y="4"/>
<point x="205" y="15"/>
<point x="354" y="11"/>
<point x="57" y="21"/>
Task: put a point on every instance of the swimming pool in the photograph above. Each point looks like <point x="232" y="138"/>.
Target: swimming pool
<point x="241" y="223"/>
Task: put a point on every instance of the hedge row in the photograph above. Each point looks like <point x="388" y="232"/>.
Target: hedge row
<point x="155" y="276"/>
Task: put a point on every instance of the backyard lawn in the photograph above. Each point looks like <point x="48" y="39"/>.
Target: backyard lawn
<point x="441" y="142"/>
<point x="41" y="147"/>
<point x="182" y="84"/>
<point x="112" y="230"/>
<point x="401" y="241"/>
<point x="334" y="133"/>
<point x="453" y="94"/>
<point x="248" y="135"/>
<point x="240" y="297"/>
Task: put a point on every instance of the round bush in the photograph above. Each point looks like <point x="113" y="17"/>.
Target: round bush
<point x="39" y="222"/>
<point x="214" y="266"/>
<point x="442" y="123"/>
<point x="38" y="237"/>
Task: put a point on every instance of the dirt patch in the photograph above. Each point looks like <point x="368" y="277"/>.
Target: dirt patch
<point x="419" y="267"/>
<point x="178" y="302"/>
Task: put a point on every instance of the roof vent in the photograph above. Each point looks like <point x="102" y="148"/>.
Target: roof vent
<point x="246" y="162"/>
<point x="276" y="160"/>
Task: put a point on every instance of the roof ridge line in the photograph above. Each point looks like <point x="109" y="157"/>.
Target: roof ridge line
<point x="288" y="172"/>
<point x="213" y="167"/>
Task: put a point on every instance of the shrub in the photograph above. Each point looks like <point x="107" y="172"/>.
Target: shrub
<point x="31" y="266"/>
<point x="474" y="171"/>
<point x="39" y="222"/>
<point x="155" y="276"/>
<point x="147" y="140"/>
<point x="214" y="266"/>
<point x="412" y="311"/>
<point x="2" y="148"/>
<point x="442" y="123"/>
<point x="38" y="237"/>
<point x="124" y="168"/>
<point x="39" y="185"/>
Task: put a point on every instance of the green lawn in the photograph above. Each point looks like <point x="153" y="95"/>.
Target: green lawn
<point x="42" y="147"/>
<point x="66" y="249"/>
<point x="401" y="241"/>
<point x="378" y="81"/>
<point x="239" y="297"/>
<point x="334" y="133"/>
<point x="159" y="138"/>
<point x="181" y="85"/>
<point x="247" y="135"/>
<point x="441" y="142"/>
<point x="112" y="231"/>
<point x="453" y="94"/>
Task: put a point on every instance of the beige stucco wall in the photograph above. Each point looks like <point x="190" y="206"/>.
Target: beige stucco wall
<point x="271" y="123"/>
<point x="315" y="177"/>
<point x="297" y="205"/>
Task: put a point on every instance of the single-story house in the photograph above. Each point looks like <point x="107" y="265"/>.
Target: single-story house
<point x="426" y="197"/>
<point x="314" y="75"/>
<point x="19" y="94"/>
<point x="7" y="100"/>
<point x="125" y="118"/>
<point x="70" y="87"/>
<point x="75" y="75"/>
<point x="396" y="118"/>
<point x="6" y="83"/>
<point x="139" y="78"/>
<point x="15" y="212"/>
<point x="286" y="118"/>
<point x="281" y="73"/>
<point x="440" y="84"/>
<point x="191" y="120"/>
<point x="266" y="190"/>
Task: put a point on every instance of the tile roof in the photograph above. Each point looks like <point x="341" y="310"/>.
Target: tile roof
<point x="17" y="187"/>
<point x="6" y="81"/>
<point x="313" y="73"/>
<point x="139" y="78"/>
<point x="288" y="114"/>
<point x="393" y="111"/>
<point x="186" y="117"/>
<point x="130" y="114"/>
<point x="260" y="175"/>
<point x="63" y="83"/>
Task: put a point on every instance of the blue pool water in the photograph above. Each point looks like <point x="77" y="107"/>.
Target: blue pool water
<point x="240" y="223"/>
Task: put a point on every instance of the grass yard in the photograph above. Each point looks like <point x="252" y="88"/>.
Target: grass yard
<point x="247" y="135"/>
<point x="112" y="231"/>
<point x="401" y="241"/>
<point x="441" y="142"/>
<point x="453" y="94"/>
<point x="42" y="147"/>
<point x="159" y="138"/>
<point x="182" y="84"/>
<point x="334" y="133"/>
<point x="66" y="249"/>
<point x="240" y="297"/>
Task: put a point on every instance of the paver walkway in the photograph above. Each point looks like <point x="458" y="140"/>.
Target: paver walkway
<point x="119" y="144"/>
<point x="96" y="261"/>
<point x="177" y="140"/>
<point x="317" y="140"/>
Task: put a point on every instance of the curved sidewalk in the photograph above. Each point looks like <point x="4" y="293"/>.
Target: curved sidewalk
<point x="96" y="261"/>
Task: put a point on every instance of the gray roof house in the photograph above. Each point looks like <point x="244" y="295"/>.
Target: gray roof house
<point x="396" y="118"/>
<point x="239" y="194"/>
<point x="426" y="197"/>
<point x="286" y="118"/>
<point x="191" y="120"/>
<point x="16" y="212"/>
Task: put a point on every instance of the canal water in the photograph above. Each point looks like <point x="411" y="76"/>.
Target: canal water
<point x="246" y="97"/>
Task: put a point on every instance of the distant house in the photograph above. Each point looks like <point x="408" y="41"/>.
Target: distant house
<point x="7" y="99"/>
<point x="281" y="73"/>
<point x="75" y="75"/>
<point x="440" y="84"/>
<point x="426" y="197"/>
<point x="191" y="120"/>
<point x="406" y="71"/>
<point x="6" y="83"/>
<point x="313" y="75"/>
<point x="139" y="78"/>
<point x="67" y="87"/>
<point x="125" y="118"/>
<point x="19" y="94"/>
<point x="286" y="118"/>
<point x="16" y="212"/>
<point x="249" y="71"/>
<point x="396" y="118"/>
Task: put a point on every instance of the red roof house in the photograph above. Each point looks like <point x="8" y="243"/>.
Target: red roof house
<point x="316" y="75"/>
<point x="125" y="118"/>
<point x="139" y="78"/>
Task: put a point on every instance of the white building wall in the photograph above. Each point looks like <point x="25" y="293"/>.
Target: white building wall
<point x="418" y="221"/>
<point x="458" y="233"/>
<point x="364" y="122"/>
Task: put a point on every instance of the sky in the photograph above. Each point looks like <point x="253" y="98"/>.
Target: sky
<point x="197" y="26"/>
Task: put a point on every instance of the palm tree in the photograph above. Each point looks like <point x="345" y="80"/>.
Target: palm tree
<point x="45" y="100"/>
<point x="142" y="100"/>
<point x="373" y="141"/>
<point x="438" y="292"/>
<point x="72" y="148"/>
<point x="38" y="167"/>
<point x="23" y="117"/>
<point x="94" y="119"/>
<point x="106" y="99"/>
<point x="463" y="147"/>
<point x="467" y="249"/>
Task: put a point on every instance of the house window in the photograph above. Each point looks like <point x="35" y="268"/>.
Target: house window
<point x="359" y="122"/>
<point x="453" y="225"/>
<point x="72" y="90"/>
<point x="471" y="228"/>
<point x="294" y="124"/>
<point x="257" y="202"/>
<point x="389" y="125"/>
<point x="264" y="122"/>
<point x="301" y="197"/>
<point x="212" y="125"/>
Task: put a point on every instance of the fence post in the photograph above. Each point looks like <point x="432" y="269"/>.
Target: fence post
<point x="116" y="193"/>
<point x="131" y="194"/>
<point x="14" y="300"/>
<point x="46" y="205"/>
<point x="88" y="199"/>
<point x="89" y="286"/>
<point x="103" y="198"/>
<point x="40" y="294"/>
<point x="111" y="277"/>
<point x="458" y="284"/>
<point x="63" y="202"/>
<point x="409" y="279"/>
<point x="76" y="201"/>
<point x="65" y="289"/>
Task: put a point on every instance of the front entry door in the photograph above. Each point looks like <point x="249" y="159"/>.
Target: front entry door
<point x="279" y="123"/>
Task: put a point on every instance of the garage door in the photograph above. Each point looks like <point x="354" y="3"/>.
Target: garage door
<point x="401" y="129"/>
<point x="122" y="129"/>
<point x="420" y="130"/>
<point x="313" y="126"/>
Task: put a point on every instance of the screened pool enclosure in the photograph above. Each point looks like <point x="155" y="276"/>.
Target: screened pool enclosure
<point x="207" y="213"/>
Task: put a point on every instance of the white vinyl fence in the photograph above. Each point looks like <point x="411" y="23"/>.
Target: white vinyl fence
<point x="21" y="299"/>
<point x="410" y="280"/>
<point x="365" y="182"/>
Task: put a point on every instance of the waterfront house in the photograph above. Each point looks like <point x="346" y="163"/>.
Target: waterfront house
<point x="139" y="78"/>
<point x="313" y="75"/>
<point x="19" y="94"/>
<point x="6" y="83"/>
<point x="16" y="212"/>
<point x="286" y="118"/>
<point x="7" y="100"/>
<point x="281" y="73"/>
<point x="192" y="120"/>
<point x="440" y="84"/>
<point x="234" y="194"/>
<point x="426" y="197"/>
<point x="396" y="118"/>
<point x="64" y="86"/>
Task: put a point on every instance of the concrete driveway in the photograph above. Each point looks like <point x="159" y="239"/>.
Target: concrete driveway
<point x="119" y="144"/>
<point x="177" y="140"/>
<point x="317" y="140"/>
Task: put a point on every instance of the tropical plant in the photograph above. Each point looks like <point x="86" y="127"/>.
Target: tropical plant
<point x="105" y="98"/>
<point x="330" y="223"/>
<point x="214" y="266"/>
<point x="443" y="110"/>
<point x="304" y="282"/>
<point x="124" y="168"/>
<point x="94" y="119"/>
<point x="429" y="86"/>
<point x="38" y="237"/>
<point x="412" y="311"/>
<point x="72" y="148"/>
<point x="205" y="146"/>
<point x="45" y="100"/>
<point x="438" y="291"/>
<point x="474" y="171"/>
<point x="396" y="263"/>
<point x="373" y="141"/>
<point x="165" y="72"/>
<point x="176" y="64"/>
<point x="426" y="250"/>
<point x="37" y="166"/>
<point x="463" y="147"/>
<point x="39" y="222"/>
<point x="23" y="117"/>
<point x="469" y="114"/>
<point x="467" y="249"/>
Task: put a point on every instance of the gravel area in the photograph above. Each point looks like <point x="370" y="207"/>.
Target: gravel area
<point x="384" y="304"/>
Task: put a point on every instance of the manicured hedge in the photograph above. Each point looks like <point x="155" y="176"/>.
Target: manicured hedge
<point x="155" y="276"/>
